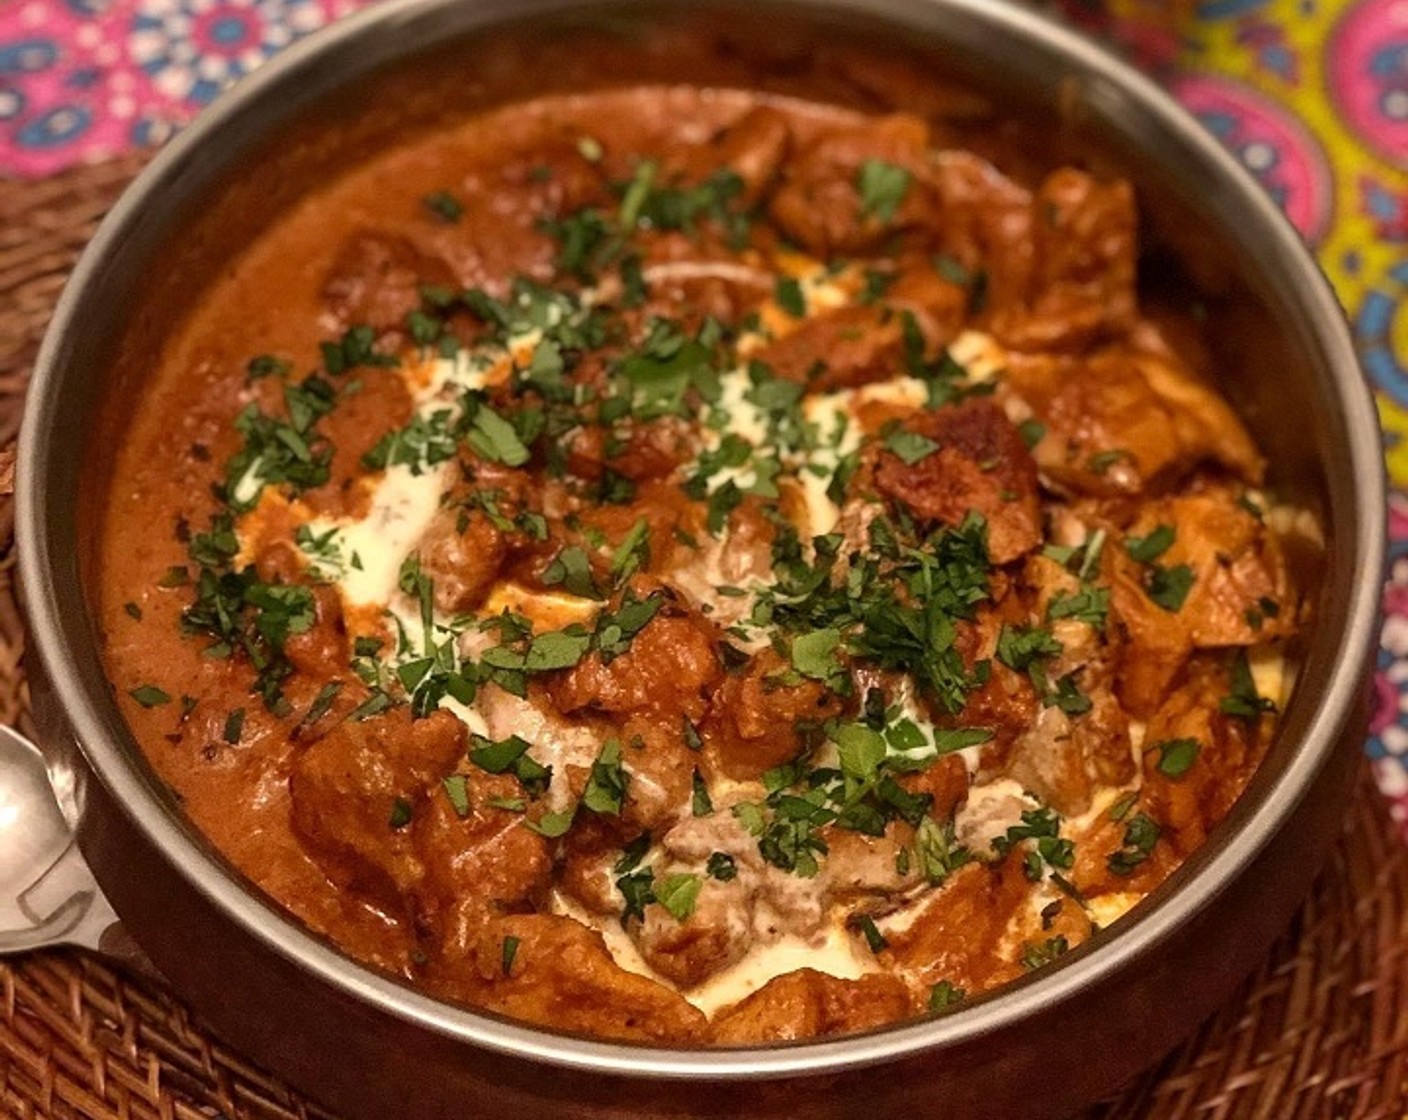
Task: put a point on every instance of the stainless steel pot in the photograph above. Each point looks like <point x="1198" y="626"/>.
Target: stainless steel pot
<point x="371" y="1047"/>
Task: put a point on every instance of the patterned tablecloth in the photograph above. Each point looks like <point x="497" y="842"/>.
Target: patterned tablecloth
<point x="1312" y="96"/>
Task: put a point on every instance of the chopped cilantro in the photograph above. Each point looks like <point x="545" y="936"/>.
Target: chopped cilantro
<point x="1032" y="432"/>
<point x="552" y="825"/>
<point x="910" y="446"/>
<point x="1089" y="605"/>
<point x="701" y="804"/>
<point x="882" y="187"/>
<point x="1036" y="956"/>
<point x="606" y="785"/>
<point x="790" y="297"/>
<point x="950" y="739"/>
<point x="632" y="553"/>
<point x="494" y="438"/>
<point x="873" y="937"/>
<point x="356" y="347"/>
<point x="571" y="568"/>
<point x="267" y="365"/>
<point x="1101" y="462"/>
<point x="457" y="790"/>
<point x="496" y="757"/>
<point x="149" y="696"/>
<point x="557" y="649"/>
<point x="678" y="893"/>
<point x="638" y="890"/>
<point x="400" y="813"/>
<point x="721" y="866"/>
<point x="1147" y="549"/>
<point x="1176" y="756"/>
<point x="939" y="854"/>
<point x="444" y="206"/>
<point x="1169" y="587"/>
<point x="944" y="995"/>
<point x="509" y="953"/>
<point x="1022" y="647"/>
<point x="814" y="654"/>
<point x="1140" y="836"/>
<point x="1243" y="701"/>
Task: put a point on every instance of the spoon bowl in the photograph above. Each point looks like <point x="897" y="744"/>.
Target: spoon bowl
<point x="47" y="895"/>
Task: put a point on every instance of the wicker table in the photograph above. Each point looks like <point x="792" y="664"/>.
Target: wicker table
<point x="1321" y="1030"/>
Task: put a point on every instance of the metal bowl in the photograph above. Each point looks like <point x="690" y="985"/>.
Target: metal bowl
<point x="371" y="1046"/>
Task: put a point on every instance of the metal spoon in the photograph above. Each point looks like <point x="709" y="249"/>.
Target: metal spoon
<point x="47" y="894"/>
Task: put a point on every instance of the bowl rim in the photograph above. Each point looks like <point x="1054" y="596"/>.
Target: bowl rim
<point x="1158" y="918"/>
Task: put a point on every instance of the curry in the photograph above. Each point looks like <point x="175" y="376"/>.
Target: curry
<point x="698" y="567"/>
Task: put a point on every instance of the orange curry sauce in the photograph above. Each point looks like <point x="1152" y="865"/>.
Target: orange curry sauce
<point x="598" y="561"/>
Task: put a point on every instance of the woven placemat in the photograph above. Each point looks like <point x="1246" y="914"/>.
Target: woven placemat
<point x="1320" y="1031"/>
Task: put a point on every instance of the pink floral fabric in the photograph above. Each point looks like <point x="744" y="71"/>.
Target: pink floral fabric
<point x="1311" y="95"/>
<point x="82" y="80"/>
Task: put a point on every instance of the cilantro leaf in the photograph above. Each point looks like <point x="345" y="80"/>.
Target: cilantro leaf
<point x="1243" y="701"/>
<point x="1176" y="756"/>
<point x="1147" y="549"/>
<point x="678" y="894"/>
<point x="1140" y="836"/>
<point x="790" y="297"/>
<point x="814" y="654"/>
<point x="606" y="785"/>
<point x="495" y="439"/>
<point x="882" y="187"/>
<point x="911" y="447"/>
<point x="149" y="696"/>
<point x="1169" y="587"/>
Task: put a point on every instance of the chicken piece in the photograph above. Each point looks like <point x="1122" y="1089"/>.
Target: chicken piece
<point x="567" y="746"/>
<point x="983" y="223"/>
<point x="858" y="866"/>
<point x="1050" y="926"/>
<point x="753" y="148"/>
<point x="659" y="766"/>
<point x="938" y="304"/>
<point x="1121" y="422"/>
<point x="974" y="461"/>
<point x="692" y="275"/>
<point x="1064" y="759"/>
<point x="955" y="932"/>
<point x="670" y="670"/>
<point x="839" y="349"/>
<point x="1228" y="750"/>
<point x="555" y="972"/>
<point x="1006" y="702"/>
<point x="375" y="281"/>
<point x="715" y="935"/>
<point x="476" y="857"/>
<point x="667" y="512"/>
<point x="462" y="551"/>
<point x="587" y="871"/>
<point x="945" y="782"/>
<point x="819" y="203"/>
<point x="356" y="789"/>
<point x="736" y="558"/>
<point x="1125" y="851"/>
<point x="548" y="176"/>
<point x="1083" y="279"/>
<point x="810" y="1004"/>
<point x="1233" y="567"/>
<point x="651" y="450"/>
<point x="757" y="720"/>
<point x="321" y="651"/>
